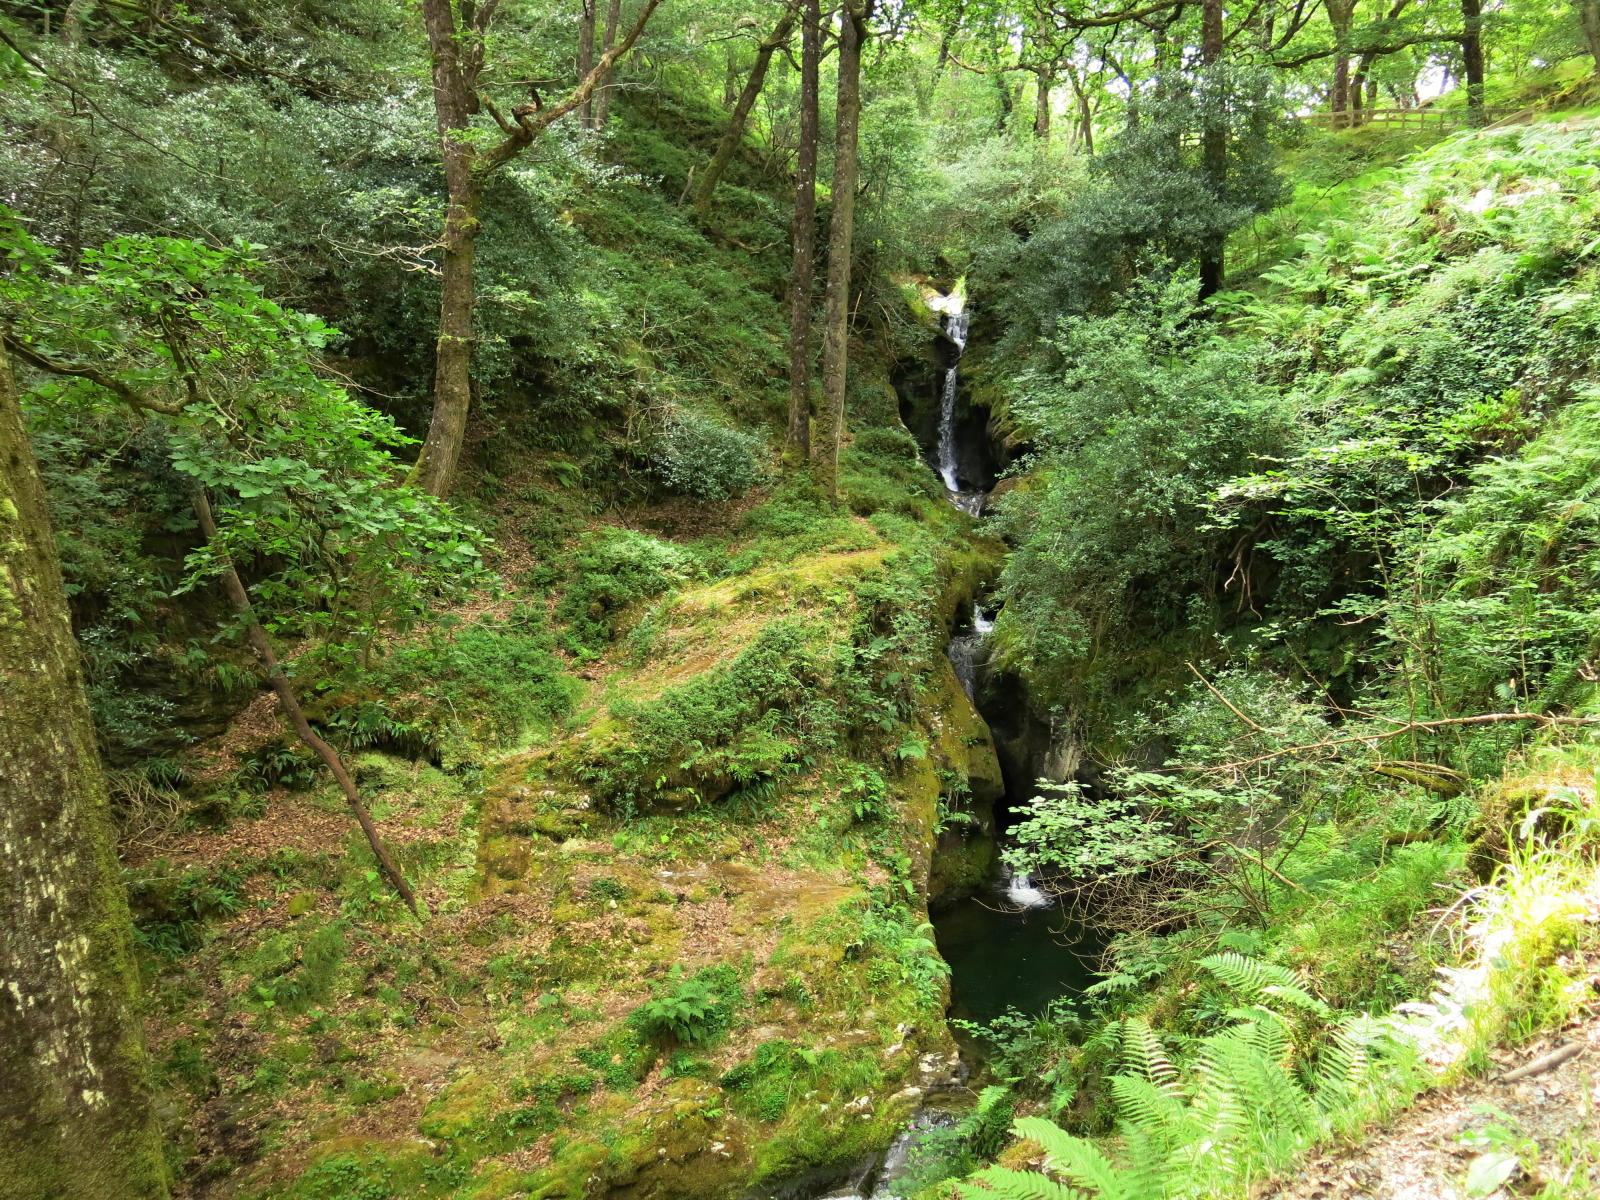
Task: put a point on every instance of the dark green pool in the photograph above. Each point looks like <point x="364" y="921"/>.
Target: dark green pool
<point x="1007" y="959"/>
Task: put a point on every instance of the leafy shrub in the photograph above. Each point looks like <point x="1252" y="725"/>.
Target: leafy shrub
<point x="498" y="678"/>
<point x="614" y="570"/>
<point x="169" y="908"/>
<point x="701" y="457"/>
<point x="721" y="730"/>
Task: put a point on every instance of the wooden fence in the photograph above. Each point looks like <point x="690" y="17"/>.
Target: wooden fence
<point x="1435" y="118"/>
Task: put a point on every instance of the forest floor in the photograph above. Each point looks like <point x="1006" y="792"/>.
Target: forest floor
<point x="1512" y="1134"/>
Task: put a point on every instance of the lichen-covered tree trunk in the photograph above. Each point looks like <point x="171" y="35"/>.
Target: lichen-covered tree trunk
<point x="1214" y="140"/>
<point x="75" y="1113"/>
<point x="586" y="59"/>
<point x="602" y="101"/>
<point x="1472" y="57"/>
<point x="804" y="234"/>
<point x="1589" y="21"/>
<point x="841" y="237"/>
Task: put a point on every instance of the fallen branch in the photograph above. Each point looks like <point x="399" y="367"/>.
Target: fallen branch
<point x="1545" y="1062"/>
<point x="290" y="703"/>
<point x="1231" y="706"/>
<point x="1400" y="731"/>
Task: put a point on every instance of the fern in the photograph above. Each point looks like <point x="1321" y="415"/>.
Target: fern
<point x="1143" y="1050"/>
<point x="999" y="1183"/>
<point x="1256" y="981"/>
<point x="1077" y="1158"/>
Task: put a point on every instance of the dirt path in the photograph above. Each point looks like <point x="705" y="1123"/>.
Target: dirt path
<point x="1548" y="1123"/>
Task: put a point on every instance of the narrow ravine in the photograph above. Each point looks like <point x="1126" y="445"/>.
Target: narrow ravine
<point x="1010" y="946"/>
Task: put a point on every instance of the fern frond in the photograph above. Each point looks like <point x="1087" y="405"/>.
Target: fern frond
<point x="1077" y="1158"/>
<point x="1000" y="1183"/>
<point x="1345" y="1064"/>
<point x="1143" y="1050"/>
<point x="1256" y="981"/>
<point x="1144" y="1106"/>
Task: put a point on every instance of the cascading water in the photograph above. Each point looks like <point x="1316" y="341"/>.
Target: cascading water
<point x="968" y="658"/>
<point x="966" y="652"/>
<point x="874" y="1178"/>
<point x="957" y="320"/>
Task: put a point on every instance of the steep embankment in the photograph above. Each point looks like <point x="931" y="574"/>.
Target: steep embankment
<point x="671" y="800"/>
<point x="1362" y="511"/>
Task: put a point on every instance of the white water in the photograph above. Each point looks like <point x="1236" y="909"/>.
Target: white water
<point x="956" y="322"/>
<point x="966" y="652"/>
<point x="872" y="1182"/>
<point x="1019" y="890"/>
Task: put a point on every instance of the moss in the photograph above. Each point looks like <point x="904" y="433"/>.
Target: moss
<point x="464" y="1106"/>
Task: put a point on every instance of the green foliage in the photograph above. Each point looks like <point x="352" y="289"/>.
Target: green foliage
<point x="170" y="908"/>
<point x="615" y="570"/>
<point x="1242" y="1108"/>
<point x="488" y="682"/>
<point x="726" y="728"/>
<point x="301" y="474"/>
<point x="294" y="970"/>
<point x="1150" y="411"/>
<point x="694" y="1011"/>
<point x="704" y="458"/>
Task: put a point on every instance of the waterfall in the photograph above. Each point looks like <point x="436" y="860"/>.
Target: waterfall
<point x="967" y="657"/>
<point x="957" y="320"/>
<point x="966" y="653"/>
<point x="874" y="1179"/>
<point x="1019" y="890"/>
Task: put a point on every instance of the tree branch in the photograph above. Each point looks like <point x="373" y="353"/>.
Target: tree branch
<point x="531" y="125"/>
<point x="1400" y="731"/>
<point x="55" y="366"/>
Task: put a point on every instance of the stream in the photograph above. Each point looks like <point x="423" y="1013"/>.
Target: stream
<point x="1009" y="945"/>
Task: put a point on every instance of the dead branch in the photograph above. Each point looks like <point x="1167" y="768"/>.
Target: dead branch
<point x="1400" y="731"/>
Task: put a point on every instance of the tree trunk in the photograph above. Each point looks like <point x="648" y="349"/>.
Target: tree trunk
<point x="239" y="597"/>
<point x="586" y="60"/>
<point x="1472" y="57"/>
<point x="804" y="236"/>
<point x="730" y="78"/>
<point x="1085" y="113"/>
<point x="841" y="235"/>
<point x="1002" y="116"/>
<point x="602" y="104"/>
<point x="1589" y="19"/>
<point x="1341" y="14"/>
<point x="734" y="133"/>
<point x="435" y="469"/>
<point x="1214" y="139"/>
<point x="1041" y="103"/>
<point x="75" y="1111"/>
<point x="455" y="99"/>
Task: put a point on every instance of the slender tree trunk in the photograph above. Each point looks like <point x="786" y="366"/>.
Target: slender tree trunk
<point x="1006" y="101"/>
<point x="853" y="18"/>
<point x="1341" y="14"/>
<point x="602" y="104"/>
<point x="75" y="1111"/>
<point x="733" y="135"/>
<point x="1589" y="20"/>
<point x="586" y="60"/>
<point x="1041" y="103"/>
<point x="456" y="63"/>
<point x="435" y="469"/>
<point x="804" y="236"/>
<point x="290" y="704"/>
<point x="1085" y="113"/>
<point x="1472" y="57"/>
<point x="1214" y="139"/>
